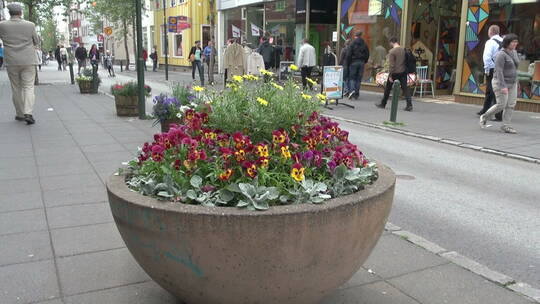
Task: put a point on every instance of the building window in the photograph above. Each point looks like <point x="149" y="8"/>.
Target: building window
<point x="522" y="19"/>
<point x="178" y="52"/>
<point x="152" y="37"/>
<point x="280" y="6"/>
<point x="173" y="3"/>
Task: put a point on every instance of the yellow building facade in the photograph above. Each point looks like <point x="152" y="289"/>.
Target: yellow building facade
<point x="193" y="14"/>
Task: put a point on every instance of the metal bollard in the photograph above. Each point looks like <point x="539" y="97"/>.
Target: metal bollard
<point x="121" y="66"/>
<point x="95" y="83"/>
<point x="396" y="87"/>
<point x="71" y="73"/>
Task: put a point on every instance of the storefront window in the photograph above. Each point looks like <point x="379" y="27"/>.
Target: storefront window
<point x="178" y="45"/>
<point x="521" y="17"/>
<point x="378" y="20"/>
<point x="234" y="20"/>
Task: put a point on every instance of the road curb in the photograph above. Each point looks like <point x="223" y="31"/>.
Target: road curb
<point x="469" y="264"/>
<point x="440" y="140"/>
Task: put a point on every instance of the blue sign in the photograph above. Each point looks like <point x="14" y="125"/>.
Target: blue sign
<point x="333" y="82"/>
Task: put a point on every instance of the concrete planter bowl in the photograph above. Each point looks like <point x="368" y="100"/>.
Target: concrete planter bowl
<point x="288" y="255"/>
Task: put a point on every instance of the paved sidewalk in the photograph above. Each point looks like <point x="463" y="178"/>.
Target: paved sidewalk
<point x="59" y="243"/>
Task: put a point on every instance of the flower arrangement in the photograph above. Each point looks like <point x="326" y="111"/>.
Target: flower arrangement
<point x="86" y="75"/>
<point x="253" y="146"/>
<point x="129" y="89"/>
<point x="173" y="107"/>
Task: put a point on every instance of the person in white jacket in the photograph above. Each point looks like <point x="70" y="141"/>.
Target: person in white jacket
<point x="306" y="61"/>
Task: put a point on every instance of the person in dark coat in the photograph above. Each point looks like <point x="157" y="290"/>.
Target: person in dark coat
<point x="58" y="57"/>
<point x="94" y="56"/>
<point x="345" y="64"/>
<point x="81" y="55"/>
<point x="357" y="56"/>
<point x="267" y="52"/>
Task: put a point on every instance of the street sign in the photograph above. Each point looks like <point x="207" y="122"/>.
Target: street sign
<point x="108" y="31"/>
<point x="100" y="38"/>
<point x="173" y="24"/>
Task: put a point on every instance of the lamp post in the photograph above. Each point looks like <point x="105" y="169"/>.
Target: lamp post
<point x="140" y="61"/>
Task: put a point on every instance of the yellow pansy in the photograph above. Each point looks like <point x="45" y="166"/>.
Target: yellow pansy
<point x="321" y="97"/>
<point x="265" y="72"/>
<point x="293" y="67"/>
<point x="198" y="89"/>
<point x="262" y="101"/>
<point x="297" y="172"/>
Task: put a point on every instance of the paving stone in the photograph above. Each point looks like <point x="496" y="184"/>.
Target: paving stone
<point x="28" y="282"/>
<point x="95" y="140"/>
<point x="67" y="168"/>
<point x="56" y="301"/>
<point x="103" y="148"/>
<point x="10" y="186"/>
<point x="362" y="277"/>
<point x="22" y="221"/>
<point x="451" y="284"/>
<point x="143" y="293"/>
<point x="107" y="156"/>
<point x="62" y="158"/>
<point x="25" y="247"/>
<point x="394" y="256"/>
<point x="477" y="268"/>
<point x="83" y="194"/>
<point x="79" y="182"/>
<point x="79" y="215"/>
<point x="77" y="240"/>
<point x="374" y="293"/>
<point x="18" y="170"/>
<point x="420" y="241"/>
<point x="20" y="201"/>
<point x="117" y="267"/>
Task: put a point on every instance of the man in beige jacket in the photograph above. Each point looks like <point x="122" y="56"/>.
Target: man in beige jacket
<point x="20" y="41"/>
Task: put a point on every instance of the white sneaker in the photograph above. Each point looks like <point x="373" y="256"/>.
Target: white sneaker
<point x="508" y="129"/>
<point x="483" y="122"/>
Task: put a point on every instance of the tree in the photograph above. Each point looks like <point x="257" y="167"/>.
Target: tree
<point x="119" y="12"/>
<point x="49" y="35"/>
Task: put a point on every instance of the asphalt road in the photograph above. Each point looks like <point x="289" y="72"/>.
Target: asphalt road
<point x="483" y="206"/>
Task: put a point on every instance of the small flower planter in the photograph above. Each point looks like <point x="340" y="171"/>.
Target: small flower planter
<point x="85" y="86"/>
<point x="126" y="105"/>
<point x="165" y="125"/>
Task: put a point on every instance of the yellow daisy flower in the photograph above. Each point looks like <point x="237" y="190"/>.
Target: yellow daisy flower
<point x="262" y="101"/>
<point x="277" y="86"/>
<point x="306" y="97"/>
<point x="313" y="82"/>
<point x="238" y="78"/>
<point x="321" y="97"/>
<point x="293" y="67"/>
<point x="265" y="72"/>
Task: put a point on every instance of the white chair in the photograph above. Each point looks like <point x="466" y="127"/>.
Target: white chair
<point x="423" y="79"/>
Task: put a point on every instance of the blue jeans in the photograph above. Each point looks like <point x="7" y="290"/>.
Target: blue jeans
<point x="356" y="72"/>
<point x="197" y="64"/>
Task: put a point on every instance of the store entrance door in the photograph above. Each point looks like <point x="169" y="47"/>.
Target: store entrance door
<point x="434" y="29"/>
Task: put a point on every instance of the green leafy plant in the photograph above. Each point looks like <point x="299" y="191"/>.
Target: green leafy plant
<point x="129" y="89"/>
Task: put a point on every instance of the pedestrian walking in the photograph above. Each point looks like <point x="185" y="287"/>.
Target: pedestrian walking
<point x="267" y="52"/>
<point x="39" y="55"/>
<point x="195" y="56"/>
<point x="397" y="71"/>
<point x="58" y="57"/>
<point x="20" y="41"/>
<point x="345" y="64"/>
<point x="306" y="62"/>
<point x="109" y="61"/>
<point x="145" y="57"/>
<point x="154" y="57"/>
<point x="504" y="84"/>
<point x="63" y="57"/>
<point x="357" y="56"/>
<point x="94" y="57"/>
<point x="209" y="54"/>
<point x="491" y="48"/>
<point x="81" y="55"/>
